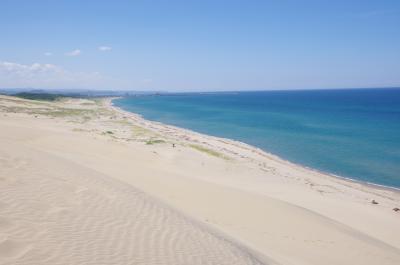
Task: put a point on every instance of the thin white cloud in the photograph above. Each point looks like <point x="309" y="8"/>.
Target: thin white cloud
<point x="74" y="53"/>
<point x="104" y="48"/>
<point x="46" y="76"/>
<point x="48" y="54"/>
<point x="23" y="69"/>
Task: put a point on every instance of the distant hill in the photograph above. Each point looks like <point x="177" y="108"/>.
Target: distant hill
<point x="51" y="93"/>
<point x="39" y="96"/>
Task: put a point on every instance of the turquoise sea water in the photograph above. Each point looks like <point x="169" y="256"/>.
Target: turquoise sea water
<point x="350" y="133"/>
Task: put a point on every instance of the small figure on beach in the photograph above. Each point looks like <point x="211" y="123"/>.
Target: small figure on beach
<point x="173" y="145"/>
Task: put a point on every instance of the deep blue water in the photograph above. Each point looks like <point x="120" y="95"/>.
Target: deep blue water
<point x="350" y="133"/>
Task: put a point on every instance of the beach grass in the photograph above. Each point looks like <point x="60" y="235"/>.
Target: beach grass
<point x="140" y="131"/>
<point x="64" y="112"/>
<point x="155" y="141"/>
<point x="208" y="151"/>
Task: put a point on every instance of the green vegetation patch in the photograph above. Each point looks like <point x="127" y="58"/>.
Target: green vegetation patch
<point x="38" y="96"/>
<point x="87" y="104"/>
<point x="154" y="141"/>
<point x="140" y="131"/>
<point x="208" y="151"/>
<point x="64" y="112"/>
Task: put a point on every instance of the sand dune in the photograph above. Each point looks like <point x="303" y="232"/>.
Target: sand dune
<point x="57" y="212"/>
<point x="81" y="183"/>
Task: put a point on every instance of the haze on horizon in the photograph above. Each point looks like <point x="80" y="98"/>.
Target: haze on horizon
<point x="199" y="46"/>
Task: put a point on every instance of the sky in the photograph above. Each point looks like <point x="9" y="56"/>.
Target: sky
<point x="200" y="45"/>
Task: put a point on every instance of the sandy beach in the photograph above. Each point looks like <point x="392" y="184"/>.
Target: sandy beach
<point x="83" y="182"/>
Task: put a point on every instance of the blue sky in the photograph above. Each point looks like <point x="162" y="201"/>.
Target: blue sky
<point x="199" y="45"/>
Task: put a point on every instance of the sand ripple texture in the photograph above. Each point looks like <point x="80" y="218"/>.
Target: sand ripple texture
<point x="56" y="212"/>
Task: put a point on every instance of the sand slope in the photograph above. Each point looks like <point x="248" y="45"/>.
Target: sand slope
<point x="56" y="212"/>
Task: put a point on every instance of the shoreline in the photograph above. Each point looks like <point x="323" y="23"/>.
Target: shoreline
<point x="109" y="103"/>
<point x="85" y="165"/>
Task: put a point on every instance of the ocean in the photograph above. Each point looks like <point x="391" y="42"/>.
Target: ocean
<point x="353" y="133"/>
